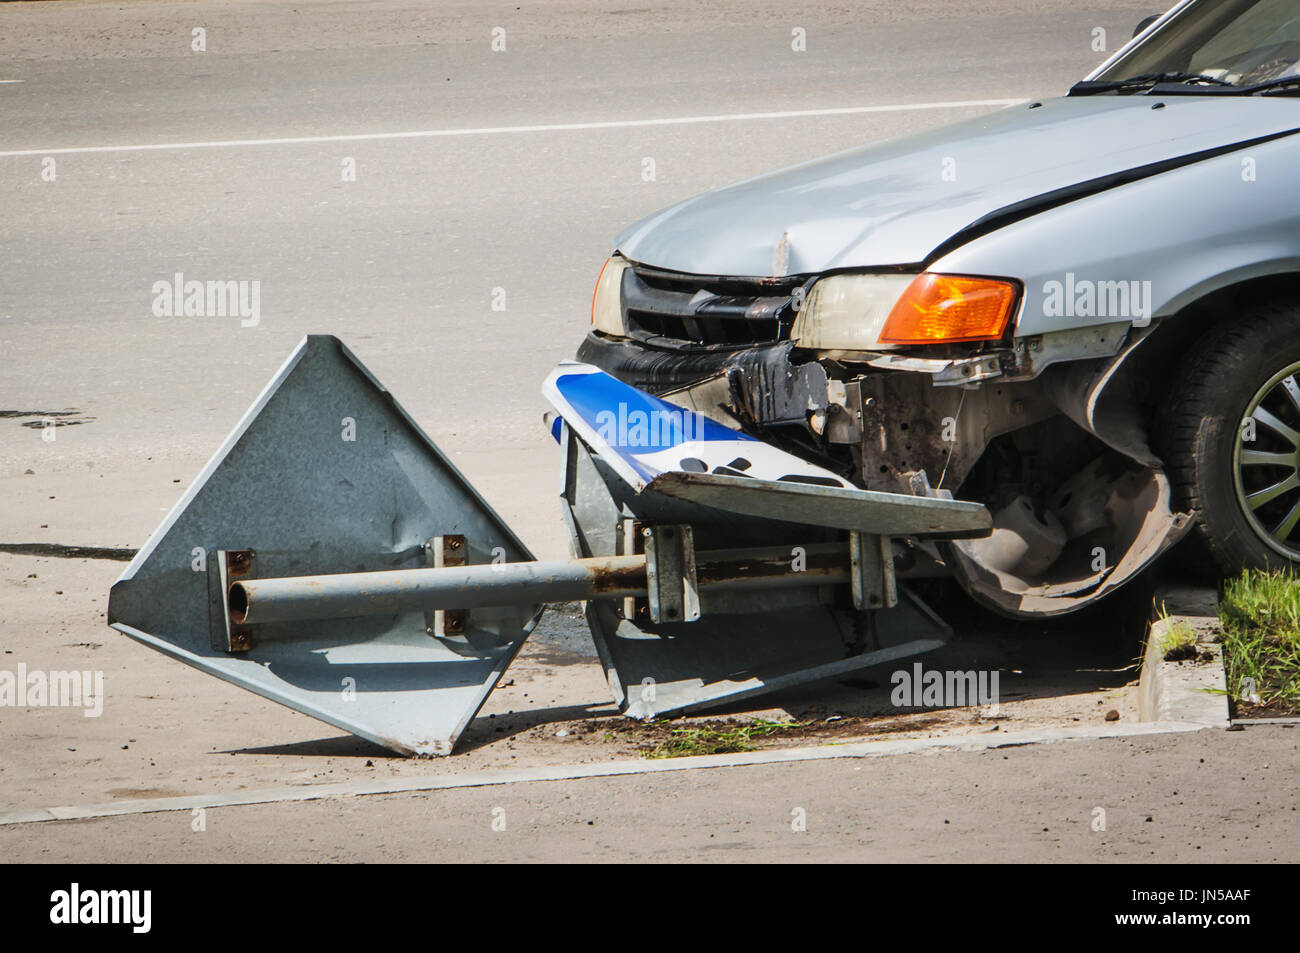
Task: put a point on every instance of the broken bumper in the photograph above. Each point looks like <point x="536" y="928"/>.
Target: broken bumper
<point x="664" y="367"/>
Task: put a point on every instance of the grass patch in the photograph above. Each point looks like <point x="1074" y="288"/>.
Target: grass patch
<point x="1177" y="643"/>
<point x="1260" y="612"/>
<point x="719" y="739"/>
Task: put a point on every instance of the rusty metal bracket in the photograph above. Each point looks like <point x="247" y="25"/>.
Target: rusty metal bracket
<point x="232" y="566"/>
<point x="672" y="588"/>
<point x="441" y="552"/>
<point x="872" y="576"/>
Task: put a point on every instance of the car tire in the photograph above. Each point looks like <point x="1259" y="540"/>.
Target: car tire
<point x="1240" y="479"/>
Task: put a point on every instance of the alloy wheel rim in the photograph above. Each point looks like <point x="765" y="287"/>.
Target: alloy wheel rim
<point x="1266" y="463"/>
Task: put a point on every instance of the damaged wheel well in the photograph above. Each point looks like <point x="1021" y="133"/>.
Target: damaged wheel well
<point x="1145" y="380"/>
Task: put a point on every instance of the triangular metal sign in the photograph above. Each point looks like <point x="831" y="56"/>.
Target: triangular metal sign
<point x="327" y="474"/>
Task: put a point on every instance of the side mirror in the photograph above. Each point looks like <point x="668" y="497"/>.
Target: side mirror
<point x="1146" y="23"/>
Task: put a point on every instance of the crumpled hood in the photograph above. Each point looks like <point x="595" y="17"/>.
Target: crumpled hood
<point x="896" y="202"/>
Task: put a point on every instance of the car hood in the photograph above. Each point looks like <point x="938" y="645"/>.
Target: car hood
<point x="896" y="202"/>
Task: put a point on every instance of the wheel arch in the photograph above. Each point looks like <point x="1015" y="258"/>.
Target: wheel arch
<point x="1155" y="362"/>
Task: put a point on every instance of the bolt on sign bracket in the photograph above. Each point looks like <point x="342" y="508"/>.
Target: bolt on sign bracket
<point x="670" y="573"/>
<point x="232" y="566"/>
<point x="441" y="552"/>
<point x="872" y="560"/>
<point x="630" y="541"/>
<point x="326" y="473"/>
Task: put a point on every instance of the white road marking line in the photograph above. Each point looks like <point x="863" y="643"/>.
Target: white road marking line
<point x="511" y="130"/>
<point x="490" y="777"/>
<point x="6" y="82"/>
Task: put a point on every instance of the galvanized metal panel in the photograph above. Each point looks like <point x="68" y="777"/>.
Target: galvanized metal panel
<point x="289" y="486"/>
<point x="670" y="669"/>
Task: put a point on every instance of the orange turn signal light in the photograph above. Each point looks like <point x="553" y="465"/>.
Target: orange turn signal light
<point x="596" y="290"/>
<point x="941" y="309"/>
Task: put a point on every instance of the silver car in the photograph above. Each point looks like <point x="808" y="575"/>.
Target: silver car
<point x="1082" y="312"/>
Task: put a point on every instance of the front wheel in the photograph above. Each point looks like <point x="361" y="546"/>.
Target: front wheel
<point x="1232" y="440"/>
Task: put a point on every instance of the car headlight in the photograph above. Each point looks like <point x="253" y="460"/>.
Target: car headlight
<point x="607" y="299"/>
<point x="883" y="312"/>
<point x="848" y="312"/>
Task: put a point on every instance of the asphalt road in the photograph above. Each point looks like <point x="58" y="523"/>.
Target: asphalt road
<point x="1213" y="796"/>
<point x="402" y="263"/>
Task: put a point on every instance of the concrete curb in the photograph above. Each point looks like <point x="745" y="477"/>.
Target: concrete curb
<point x="1192" y="691"/>
<point x="494" y="776"/>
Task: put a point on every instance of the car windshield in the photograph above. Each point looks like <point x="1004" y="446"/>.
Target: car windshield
<point x="1214" y="46"/>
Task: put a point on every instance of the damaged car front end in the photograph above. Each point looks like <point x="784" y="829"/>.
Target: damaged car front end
<point x="1080" y="502"/>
